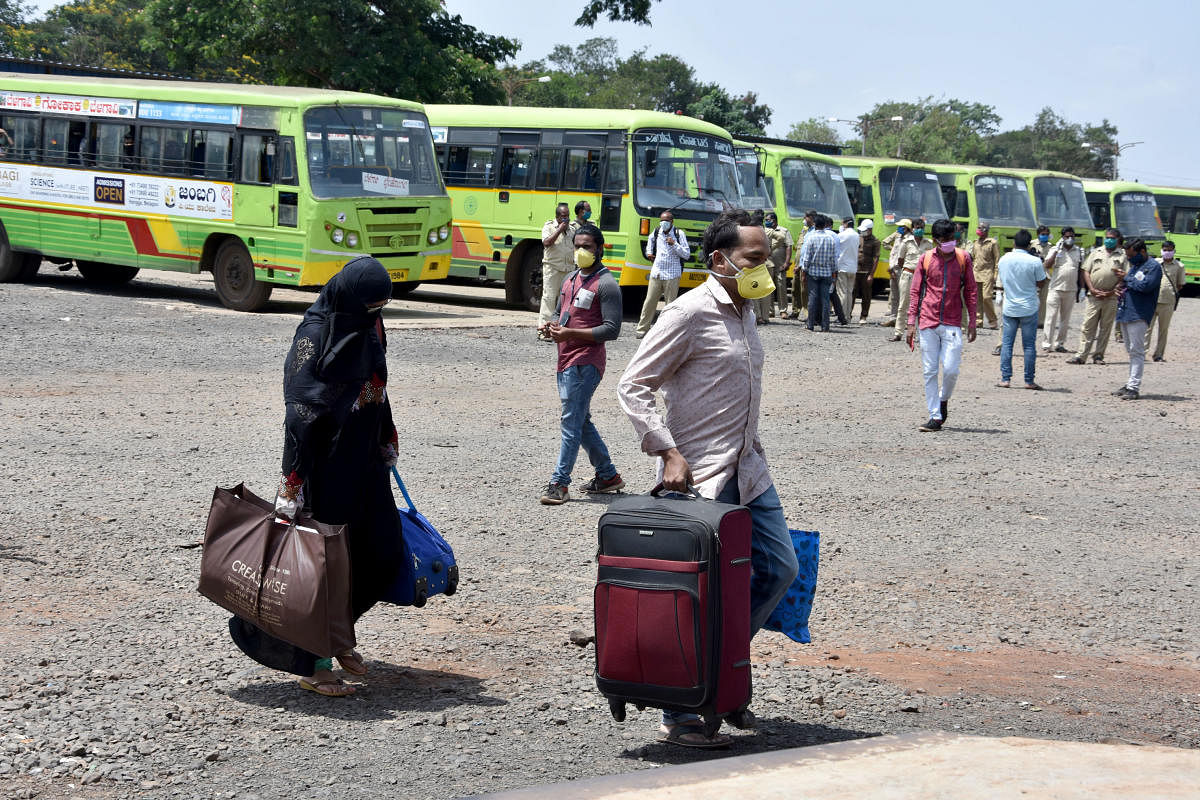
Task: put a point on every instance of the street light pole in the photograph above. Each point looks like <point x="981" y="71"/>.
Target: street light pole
<point x="511" y="86"/>
<point x="1116" y="151"/>
<point x="865" y="125"/>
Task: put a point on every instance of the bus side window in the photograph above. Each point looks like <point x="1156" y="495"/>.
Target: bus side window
<point x="866" y="200"/>
<point x="470" y="166"/>
<point x="616" y="177"/>
<point x="516" y="167"/>
<point x="216" y="161"/>
<point x="549" y="168"/>
<point x="150" y="149"/>
<point x="114" y="145"/>
<point x="285" y="161"/>
<point x="23" y="131"/>
<point x="583" y="170"/>
<point x="174" y="151"/>
<point x="54" y="141"/>
<point x="255" y="166"/>
<point x="78" y="145"/>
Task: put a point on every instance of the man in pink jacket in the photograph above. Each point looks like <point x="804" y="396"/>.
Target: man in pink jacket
<point x="942" y="284"/>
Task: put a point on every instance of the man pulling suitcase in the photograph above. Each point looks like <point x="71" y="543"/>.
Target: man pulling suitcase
<point x="696" y="355"/>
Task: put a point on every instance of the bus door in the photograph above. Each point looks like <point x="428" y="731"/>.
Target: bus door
<point x="518" y="166"/>
<point x="255" y="203"/>
<point x="1099" y="205"/>
<point x="615" y="183"/>
<point x="582" y="175"/>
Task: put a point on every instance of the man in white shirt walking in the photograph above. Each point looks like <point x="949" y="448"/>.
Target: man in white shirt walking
<point x="847" y="265"/>
<point x="667" y="248"/>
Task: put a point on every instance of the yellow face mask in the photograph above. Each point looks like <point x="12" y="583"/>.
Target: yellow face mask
<point x="584" y="258"/>
<point x="754" y="283"/>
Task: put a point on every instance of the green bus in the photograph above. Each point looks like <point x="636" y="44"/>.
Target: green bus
<point x="794" y="180"/>
<point x="998" y="197"/>
<point x="1129" y="207"/>
<point x="1179" y="211"/>
<point x="1059" y="200"/>
<point x="887" y="190"/>
<point x="258" y="185"/>
<point x="507" y="168"/>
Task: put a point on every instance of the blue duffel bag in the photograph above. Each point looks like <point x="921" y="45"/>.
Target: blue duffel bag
<point x="428" y="565"/>
<point x="790" y="617"/>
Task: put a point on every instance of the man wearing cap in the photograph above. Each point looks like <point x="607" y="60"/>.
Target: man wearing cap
<point x="1103" y="272"/>
<point x="799" y="279"/>
<point x="892" y="243"/>
<point x="911" y="248"/>
<point x="847" y="267"/>
<point x="779" y="240"/>
<point x="1168" y="298"/>
<point x="985" y="255"/>
<point x="1062" y="265"/>
<point x="868" y="258"/>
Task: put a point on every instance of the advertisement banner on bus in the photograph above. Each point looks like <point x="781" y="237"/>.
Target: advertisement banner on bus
<point x="149" y="194"/>
<point x="190" y="112"/>
<point x="68" y="104"/>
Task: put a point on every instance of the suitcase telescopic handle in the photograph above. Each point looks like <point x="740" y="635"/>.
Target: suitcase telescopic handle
<point x="659" y="490"/>
<point x="403" y="489"/>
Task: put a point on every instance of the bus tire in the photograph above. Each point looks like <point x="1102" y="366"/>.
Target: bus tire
<point x="105" y="274"/>
<point x="404" y="288"/>
<point x="10" y="262"/>
<point x="233" y="276"/>
<point x="29" y="270"/>
<point x="531" y="280"/>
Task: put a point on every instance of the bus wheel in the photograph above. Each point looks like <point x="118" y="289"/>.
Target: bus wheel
<point x="10" y="262"/>
<point x="233" y="274"/>
<point x="531" y="280"/>
<point x="32" y="263"/>
<point x="404" y="288"/>
<point x="105" y="274"/>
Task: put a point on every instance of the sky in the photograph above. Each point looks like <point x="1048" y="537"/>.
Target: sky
<point x="1089" y="61"/>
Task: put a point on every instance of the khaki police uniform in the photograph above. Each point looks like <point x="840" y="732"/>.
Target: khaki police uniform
<point x="1061" y="294"/>
<point x="799" y="285"/>
<point x="909" y="255"/>
<point x="558" y="261"/>
<point x="1100" y="312"/>
<point x="1172" y="283"/>
<point x="985" y="255"/>
<point x="779" y="240"/>
<point x="891" y="243"/>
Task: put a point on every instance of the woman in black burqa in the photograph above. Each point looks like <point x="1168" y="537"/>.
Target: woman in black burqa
<point x="339" y="444"/>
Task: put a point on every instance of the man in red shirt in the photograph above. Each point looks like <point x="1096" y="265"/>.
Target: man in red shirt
<point x="942" y="284"/>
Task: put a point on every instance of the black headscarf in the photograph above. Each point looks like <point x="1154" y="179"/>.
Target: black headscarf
<point x="338" y="346"/>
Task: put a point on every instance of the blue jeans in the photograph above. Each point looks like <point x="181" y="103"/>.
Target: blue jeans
<point x="772" y="558"/>
<point x="576" y="385"/>
<point x="1028" y="326"/>
<point x="818" y="300"/>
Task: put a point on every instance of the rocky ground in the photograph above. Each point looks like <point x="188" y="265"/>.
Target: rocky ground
<point x="1032" y="570"/>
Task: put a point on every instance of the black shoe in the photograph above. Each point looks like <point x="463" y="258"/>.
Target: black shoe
<point x="1099" y="360"/>
<point x="1121" y="391"/>
<point x="1075" y="360"/>
<point x="598" y="485"/>
<point x="1159" y="358"/>
<point x="945" y="407"/>
<point x="555" y="494"/>
<point x="1130" y="394"/>
<point x="1061" y="350"/>
<point x="826" y="330"/>
<point x="931" y="425"/>
<point x="996" y="350"/>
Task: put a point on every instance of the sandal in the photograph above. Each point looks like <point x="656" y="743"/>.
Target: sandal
<point x="352" y="662"/>
<point x="692" y="735"/>
<point x="1033" y="386"/>
<point x="329" y="687"/>
<point x="1003" y="385"/>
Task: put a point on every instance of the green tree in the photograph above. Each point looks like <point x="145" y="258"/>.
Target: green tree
<point x="616" y="10"/>
<point x="742" y="115"/>
<point x="401" y="48"/>
<point x="13" y="14"/>
<point x="1052" y="142"/>
<point x="932" y="131"/>
<point x="814" y="129"/>
<point x="104" y="33"/>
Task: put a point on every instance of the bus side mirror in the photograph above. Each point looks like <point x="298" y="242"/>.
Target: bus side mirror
<point x="650" y="165"/>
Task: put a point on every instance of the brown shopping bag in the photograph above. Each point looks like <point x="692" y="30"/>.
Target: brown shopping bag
<point x="290" y="580"/>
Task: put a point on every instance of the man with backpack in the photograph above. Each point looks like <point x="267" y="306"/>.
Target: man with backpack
<point x="667" y="248"/>
<point x="941" y="285"/>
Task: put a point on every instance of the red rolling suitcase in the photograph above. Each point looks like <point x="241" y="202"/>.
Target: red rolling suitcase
<point x="672" y="606"/>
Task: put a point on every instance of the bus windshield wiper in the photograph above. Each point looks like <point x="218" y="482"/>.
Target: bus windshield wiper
<point x="354" y="142"/>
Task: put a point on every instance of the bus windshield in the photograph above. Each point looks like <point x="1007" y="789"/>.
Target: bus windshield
<point x="810" y="184"/>
<point x="754" y="189"/>
<point x="1137" y="215"/>
<point x="1061" y="201"/>
<point x="908" y="193"/>
<point x="1002" y="200"/>
<point x="366" y="151"/>
<point x="692" y="174"/>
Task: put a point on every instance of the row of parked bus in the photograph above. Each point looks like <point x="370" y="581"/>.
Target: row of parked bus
<point x="266" y="186"/>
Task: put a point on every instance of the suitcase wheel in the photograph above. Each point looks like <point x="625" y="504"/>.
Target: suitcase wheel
<point x="419" y="599"/>
<point x="452" y="580"/>
<point x="617" y="707"/>
<point x="420" y="592"/>
<point x="436" y="566"/>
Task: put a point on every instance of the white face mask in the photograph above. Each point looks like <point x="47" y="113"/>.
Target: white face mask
<point x="1069" y="241"/>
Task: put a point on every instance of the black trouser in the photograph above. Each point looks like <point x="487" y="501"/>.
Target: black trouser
<point x="864" y="282"/>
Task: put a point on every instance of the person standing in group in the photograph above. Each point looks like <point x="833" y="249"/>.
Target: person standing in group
<point x="912" y="247"/>
<point x="892" y="244"/>
<point x="583" y="213"/>
<point x="557" y="263"/>
<point x="1168" y="298"/>
<point x="818" y="259"/>
<point x="868" y="259"/>
<point x="1022" y="276"/>
<point x="1102" y="270"/>
<point x="985" y="254"/>
<point x="799" y="279"/>
<point x="667" y="248"/>
<point x="705" y="357"/>
<point x="779" y="240"/>
<point x="1135" y="310"/>
<point x="940" y="288"/>
<point x="339" y="446"/>
<point x="847" y="266"/>
<point x="588" y="315"/>
<point x="1062" y="265"/>
<point x="1040" y="247"/>
<point x="960" y="234"/>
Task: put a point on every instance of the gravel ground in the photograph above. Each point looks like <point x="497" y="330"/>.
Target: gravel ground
<point x="1031" y="570"/>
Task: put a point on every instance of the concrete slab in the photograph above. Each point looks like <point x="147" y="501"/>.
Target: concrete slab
<point x="929" y="766"/>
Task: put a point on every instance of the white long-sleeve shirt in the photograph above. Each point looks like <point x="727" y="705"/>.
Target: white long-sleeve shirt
<point x="668" y="257"/>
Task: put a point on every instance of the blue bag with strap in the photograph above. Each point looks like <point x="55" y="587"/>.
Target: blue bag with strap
<point x="428" y="566"/>
<point x="790" y="617"/>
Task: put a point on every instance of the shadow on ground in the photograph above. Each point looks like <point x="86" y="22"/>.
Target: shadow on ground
<point x="775" y="733"/>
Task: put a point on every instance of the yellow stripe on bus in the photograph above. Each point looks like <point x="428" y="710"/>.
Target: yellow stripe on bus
<point x="165" y="235"/>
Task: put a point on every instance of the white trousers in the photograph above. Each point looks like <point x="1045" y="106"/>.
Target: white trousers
<point x="941" y="346"/>
<point x="1135" y="344"/>
<point x="1059" y="305"/>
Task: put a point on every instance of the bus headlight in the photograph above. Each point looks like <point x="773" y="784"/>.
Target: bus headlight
<point x="352" y="239"/>
<point x="444" y="232"/>
<point x="433" y="234"/>
<point x="338" y="235"/>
